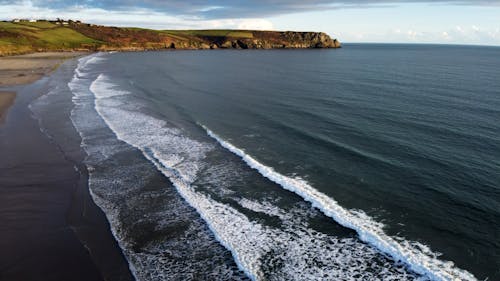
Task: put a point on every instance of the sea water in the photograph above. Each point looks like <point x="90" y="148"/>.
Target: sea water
<point x="370" y="162"/>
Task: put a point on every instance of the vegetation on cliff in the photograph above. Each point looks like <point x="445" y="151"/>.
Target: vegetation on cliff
<point x="25" y="37"/>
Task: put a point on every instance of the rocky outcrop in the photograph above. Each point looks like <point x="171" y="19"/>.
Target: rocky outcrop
<point x="278" y="40"/>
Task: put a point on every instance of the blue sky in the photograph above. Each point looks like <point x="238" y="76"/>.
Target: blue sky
<point x="387" y="21"/>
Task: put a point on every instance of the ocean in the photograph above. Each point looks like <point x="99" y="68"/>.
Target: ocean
<point x="370" y="162"/>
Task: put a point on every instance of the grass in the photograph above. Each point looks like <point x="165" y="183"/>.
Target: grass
<point x="62" y="36"/>
<point x="30" y="36"/>
<point x="38" y="24"/>
<point x="15" y="26"/>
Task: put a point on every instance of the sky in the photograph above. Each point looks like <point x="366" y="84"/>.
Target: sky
<point x="382" y="21"/>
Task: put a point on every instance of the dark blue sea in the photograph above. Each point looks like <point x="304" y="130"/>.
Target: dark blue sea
<point x="370" y="162"/>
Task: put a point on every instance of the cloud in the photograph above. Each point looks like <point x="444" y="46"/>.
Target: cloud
<point x="135" y="17"/>
<point x="260" y="24"/>
<point x="454" y="35"/>
<point x="217" y="9"/>
<point x="224" y="14"/>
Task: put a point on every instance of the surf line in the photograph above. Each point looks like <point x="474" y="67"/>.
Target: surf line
<point x="102" y="90"/>
<point x="419" y="258"/>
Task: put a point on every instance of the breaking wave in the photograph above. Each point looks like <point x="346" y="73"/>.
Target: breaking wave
<point x="417" y="256"/>
<point x="292" y="251"/>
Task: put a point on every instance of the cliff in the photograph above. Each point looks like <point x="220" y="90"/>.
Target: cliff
<point x="274" y="40"/>
<point x="25" y="37"/>
<point x="116" y="38"/>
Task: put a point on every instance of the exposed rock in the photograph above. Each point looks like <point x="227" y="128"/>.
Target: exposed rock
<point x="226" y="45"/>
<point x="123" y="38"/>
<point x="280" y="40"/>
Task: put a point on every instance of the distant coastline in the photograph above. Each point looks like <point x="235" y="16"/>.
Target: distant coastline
<point x="29" y="36"/>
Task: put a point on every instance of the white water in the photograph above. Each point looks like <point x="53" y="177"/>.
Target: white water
<point x="417" y="256"/>
<point x="84" y="122"/>
<point x="181" y="159"/>
<point x="254" y="246"/>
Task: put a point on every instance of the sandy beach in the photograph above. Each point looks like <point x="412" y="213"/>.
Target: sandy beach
<point x="50" y="228"/>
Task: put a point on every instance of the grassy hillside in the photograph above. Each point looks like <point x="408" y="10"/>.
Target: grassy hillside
<point x="26" y="37"/>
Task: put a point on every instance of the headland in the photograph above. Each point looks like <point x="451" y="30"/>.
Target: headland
<point x="28" y="36"/>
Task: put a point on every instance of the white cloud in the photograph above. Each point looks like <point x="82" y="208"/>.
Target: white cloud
<point x="413" y="35"/>
<point x="473" y="34"/>
<point x="259" y="24"/>
<point x="137" y="17"/>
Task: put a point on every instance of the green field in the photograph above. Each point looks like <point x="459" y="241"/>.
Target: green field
<point x="63" y="36"/>
<point x="31" y="36"/>
<point x="38" y="24"/>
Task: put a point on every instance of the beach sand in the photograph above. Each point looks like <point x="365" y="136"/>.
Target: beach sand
<point x="24" y="69"/>
<point x="50" y="228"/>
<point x="6" y="100"/>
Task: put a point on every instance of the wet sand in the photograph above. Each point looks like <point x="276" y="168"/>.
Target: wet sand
<point x="6" y="100"/>
<point x="50" y="229"/>
<point x="24" y="69"/>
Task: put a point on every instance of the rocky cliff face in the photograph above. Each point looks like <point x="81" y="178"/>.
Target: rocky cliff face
<point x="266" y="40"/>
<point x="281" y="40"/>
<point x="139" y="39"/>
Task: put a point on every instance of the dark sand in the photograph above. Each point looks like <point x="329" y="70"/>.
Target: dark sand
<point x="6" y="100"/>
<point x="50" y="229"/>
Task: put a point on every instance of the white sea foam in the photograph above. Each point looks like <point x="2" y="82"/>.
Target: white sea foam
<point x="180" y="158"/>
<point x="297" y="249"/>
<point x="166" y="147"/>
<point x="294" y="252"/>
<point x="417" y="256"/>
<point x="84" y="122"/>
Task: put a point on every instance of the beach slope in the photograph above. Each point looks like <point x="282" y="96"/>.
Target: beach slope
<point x="50" y="229"/>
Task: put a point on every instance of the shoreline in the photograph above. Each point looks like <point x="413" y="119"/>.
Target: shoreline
<point x="28" y="68"/>
<point x="51" y="227"/>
